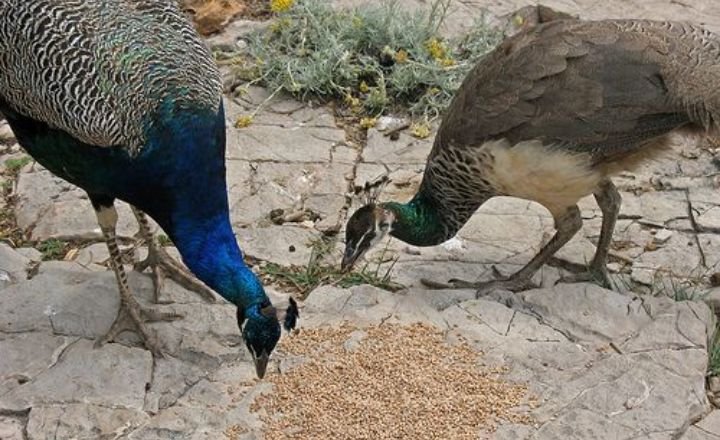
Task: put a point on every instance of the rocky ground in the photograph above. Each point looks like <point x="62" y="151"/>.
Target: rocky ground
<point x="606" y="365"/>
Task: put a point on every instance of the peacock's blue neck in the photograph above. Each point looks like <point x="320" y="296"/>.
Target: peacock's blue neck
<point x="178" y="178"/>
<point x="209" y="248"/>
<point x="196" y="217"/>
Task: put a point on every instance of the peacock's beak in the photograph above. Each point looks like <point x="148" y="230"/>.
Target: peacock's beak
<point x="261" y="362"/>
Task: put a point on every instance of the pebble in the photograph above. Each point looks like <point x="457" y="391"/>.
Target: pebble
<point x="714" y="384"/>
<point x="6" y="133"/>
<point x="662" y="236"/>
<point x="389" y="123"/>
<point x="643" y="276"/>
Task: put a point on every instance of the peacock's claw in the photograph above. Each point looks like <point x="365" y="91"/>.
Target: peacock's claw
<point x="162" y="265"/>
<point x="133" y="317"/>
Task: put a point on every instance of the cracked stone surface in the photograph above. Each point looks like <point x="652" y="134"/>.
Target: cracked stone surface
<point x="13" y="265"/>
<point x="629" y="364"/>
<point x="48" y="207"/>
<point x="600" y="361"/>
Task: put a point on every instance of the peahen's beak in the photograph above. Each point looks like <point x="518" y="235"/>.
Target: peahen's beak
<point x="349" y="258"/>
<point x="261" y="362"/>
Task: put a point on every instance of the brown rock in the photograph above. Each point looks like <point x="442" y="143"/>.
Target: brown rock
<point x="715" y="279"/>
<point x="212" y="16"/>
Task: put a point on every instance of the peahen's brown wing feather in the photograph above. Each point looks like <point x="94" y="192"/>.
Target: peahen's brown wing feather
<point x="603" y="88"/>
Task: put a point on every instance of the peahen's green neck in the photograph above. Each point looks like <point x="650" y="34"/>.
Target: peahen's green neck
<point x="427" y="220"/>
<point x="420" y="222"/>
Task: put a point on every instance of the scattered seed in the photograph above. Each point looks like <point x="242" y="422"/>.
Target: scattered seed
<point x="234" y="432"/>
<point x="390" y="382"/>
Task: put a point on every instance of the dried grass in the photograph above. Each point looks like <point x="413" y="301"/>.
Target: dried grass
<point x="387" y="382"/>
<point x="375" y="59"/>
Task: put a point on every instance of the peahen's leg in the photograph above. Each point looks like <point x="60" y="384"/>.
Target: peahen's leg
<point x="131" y="316"/>
<point x="163" y="264"/>
<point x="609" y="200"/>
<point x="566" y="225"/>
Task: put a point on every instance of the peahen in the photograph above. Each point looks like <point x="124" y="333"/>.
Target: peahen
<point x="122" y="99"/>
<point x="550" y="115"/>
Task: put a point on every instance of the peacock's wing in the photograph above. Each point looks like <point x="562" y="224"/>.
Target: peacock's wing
<point x="100" y="70"/>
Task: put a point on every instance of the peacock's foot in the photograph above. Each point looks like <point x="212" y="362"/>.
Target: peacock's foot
<point x="162" y="265"/>
<point x="595" y="275"/>
<point x="133" y="317"/>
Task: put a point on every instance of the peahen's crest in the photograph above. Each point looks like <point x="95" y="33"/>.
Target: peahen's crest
<point x="369" y="193"/>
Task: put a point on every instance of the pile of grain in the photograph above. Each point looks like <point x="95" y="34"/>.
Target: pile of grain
<point x="386" y="382"/>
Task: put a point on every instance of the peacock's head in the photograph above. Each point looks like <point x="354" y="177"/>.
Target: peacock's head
<point x="260" y="327"/>
<point x="367" y="226"/>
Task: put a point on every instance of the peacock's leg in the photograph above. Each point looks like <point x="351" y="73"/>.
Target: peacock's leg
<point x="163" y="264"/>
<point x="131" y="316"/>
<point x="609" y="200"/>
<point x="566" y="225"/>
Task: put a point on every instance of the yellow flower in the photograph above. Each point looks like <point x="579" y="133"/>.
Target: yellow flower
<point x="447" y="62"/>
<point x="519" y="20"/>
<point x="280" y="5"/>
<point x="352" y="101"/>
<point x="357" y="22"/>
<point x="279" y="25"/>
<point x="244" y="121"/>
<point x="433" y="91"/>
<point x="401" y="56"/>
<point x="420" y="130"/>
<point x="435" y="48"/>
<point x="363" y="87"/>
<point x="368" y="122"/>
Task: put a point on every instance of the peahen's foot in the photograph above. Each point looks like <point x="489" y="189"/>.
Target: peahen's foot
<point x="451" y="284"/>
<point x="513" y="284"/>
<point x="162" y="265"/>
<point x="455" y="283"/>
<point x="596" y="275"/>
<point x="132" y="317"/>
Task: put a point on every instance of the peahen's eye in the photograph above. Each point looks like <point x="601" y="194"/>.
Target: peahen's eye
<point x="384" y="226"/>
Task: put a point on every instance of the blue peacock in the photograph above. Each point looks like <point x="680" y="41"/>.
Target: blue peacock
<point x="121" y="98"/>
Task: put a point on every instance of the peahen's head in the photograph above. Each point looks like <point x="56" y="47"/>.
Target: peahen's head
<point x="260" y="327"/>
<point x="415" y="222"/>
<point x="367" y="226"/>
